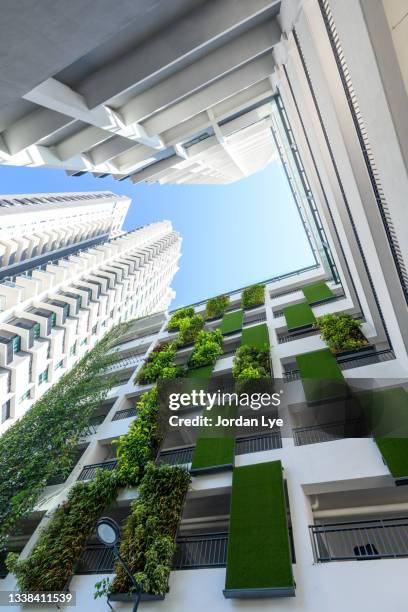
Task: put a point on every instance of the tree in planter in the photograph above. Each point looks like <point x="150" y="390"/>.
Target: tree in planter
<point x="159" y="365"/>
<point x="207" y="349"/>
<point x="216" y="306"/>
<point x="41" y="444"/>
<point x="189" y="329"/>
<point x="251" y="363"/>
<point x="51" y="563"/>
<point x="253" y="296"/>
<point x="148" y="536"/>
<point x="174" y="322"/>
<point x="341" y="332"/>
<point x="141" y="444"/>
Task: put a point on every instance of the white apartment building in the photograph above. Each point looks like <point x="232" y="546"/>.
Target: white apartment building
<point x="346" y="516"/>
<point x="69" y="274"/>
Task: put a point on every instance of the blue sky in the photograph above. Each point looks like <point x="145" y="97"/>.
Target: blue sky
<point x="233" y="235"/>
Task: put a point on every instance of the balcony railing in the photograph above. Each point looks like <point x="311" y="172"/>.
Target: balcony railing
<point x="207" y="550"/>
<point x="89" y="471"/>
<point x="255" y="319"/>
<point x="95" y="559"/>
<point x="360" y="540"/>
<point x="289" y="337"/>
<point x="125" y="414"/>
<point x="179" y="456"/>
<point x="126" y="362"/>
<point x="327" y="432"/>
<point x="247" y="444"/>
<point x="258" y="443"/>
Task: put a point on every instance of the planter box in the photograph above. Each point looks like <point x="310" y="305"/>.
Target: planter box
<point x="362" y="349"/>
<point x="259" y="593"/>
<point x="253" y="307"/>
<point x="129" y="597"/>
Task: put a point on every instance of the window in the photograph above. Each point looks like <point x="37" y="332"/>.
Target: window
<point x="73" y="349"/>
<point x="36" y="330"/>
<point x="16" y="344"/>
<point x="84" y="341"/>
<point x="53" y="319"/>
<point x="43" y="377"/>
<point x="94" y="329"/>
<point x="25" y="396"/>
<point x="5" y="412"/>
<point x="60" y="364"/>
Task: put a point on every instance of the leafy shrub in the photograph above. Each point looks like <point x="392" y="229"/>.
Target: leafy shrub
<point x="174" y="322"/>
<point x="207" y="349"/>
<point x="141" y="443"/>
<point x="251" y="363"/>
<point x="216" y="306"/>
<point x="341" y="332"/>
<point x="159" y="365"/>
<point x="52" y="561"/>
<point x="41" y="444"/>
<point x="148" y="536"/>
<point x="189" y="329"/>
<point x="253" y="296"/>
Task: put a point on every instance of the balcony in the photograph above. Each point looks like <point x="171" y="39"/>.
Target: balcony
<point x="248" y="444"/>
<point x="199" y="551"/>
<point x="95" y="559"/>
<point x="89" y="471"/>
<point x="360" y="540"/>
<point x="327" y="432"/>
<point x="125" y="414"/>
<point x="126" y="362"/>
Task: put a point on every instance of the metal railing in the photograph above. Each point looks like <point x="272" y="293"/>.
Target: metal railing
<point x="125" y="414"/>
<point x="126" y="362"/>
<point x="363" y="359"/>
<point x="327" y="432"/>
<point x="256" y="319"/>
<point x="295" y="336"/>
<point x="179" y="456"/>
<point x="207" y="550"/>
<point x="95" y="559"/>
<point x="360" y="540"/>
<point x="89" y="471"/>
<point x="258" y="443"/>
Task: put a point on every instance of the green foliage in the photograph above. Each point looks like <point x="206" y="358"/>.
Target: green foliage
<point x="216" y="306"/>
<point x="253" y="296"/>
<point x="52" y="561"/>
<point x="148" y="536"/>
<point x="341" y="332"/>
<point x="174" y="322"/>
<point x="207" y="349"/>
<point x="251" y="362"/>
<point x="159" y="365"/>
<point x="141" y="443"/>
<point x="189" y="329"/>
<point x="41" y="444"/>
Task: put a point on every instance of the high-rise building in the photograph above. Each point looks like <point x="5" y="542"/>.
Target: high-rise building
<point x="312" y="505"/>
<point x="69" y="272"/>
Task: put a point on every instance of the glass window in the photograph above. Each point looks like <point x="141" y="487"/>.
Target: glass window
<point x="25" y="396"/>
<point x="37" y="330"/>
<point x="16" y="344"/>
<point x="5" y="412"/>
<point x="59" y="365"/>
<point x="43" y="377"/>
<point x="53" y="319"/>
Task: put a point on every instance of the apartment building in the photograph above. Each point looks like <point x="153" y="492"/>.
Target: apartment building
<point x="69" y="273"/>
<point x="344" y="518"/>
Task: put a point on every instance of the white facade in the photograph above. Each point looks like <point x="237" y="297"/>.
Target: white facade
<point x="333" y="481"/>
<point x="70" y="273"/>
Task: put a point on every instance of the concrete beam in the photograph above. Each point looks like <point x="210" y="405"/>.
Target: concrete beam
<point x="155" y="169"/>
<point x="200" y="29"/>
<point x="109" y="149"/>
<point x="200" y="73"/>
<point x="247" y="75"/>
<point x="32" y="128"/>
<point x="80" y="142"/>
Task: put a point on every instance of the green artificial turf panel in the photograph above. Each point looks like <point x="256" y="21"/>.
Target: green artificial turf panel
<point x="203" y="372"/>
<point x="232" y="321"/>
<point x="212" y="452"/>
<point x="387" y="410"/>
<point x="197" y="379"/>
<point x="321" y="376"/>
<point x="299" y="315"/>
<point x="258" y="544"/>
<point x="256" y="336"/>
<point x="317" y="292"/>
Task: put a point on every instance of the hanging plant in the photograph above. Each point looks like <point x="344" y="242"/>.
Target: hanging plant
<point x="341" y="332"/>
<point x="207" y="349"/>
<point x="251" y="363"/>
<point x="253" y="296"/>
<point x="159" y="365"/>
<point x="189" y="329"/>
<point x="174" y="322"/>
<point x="216" y="306"/>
